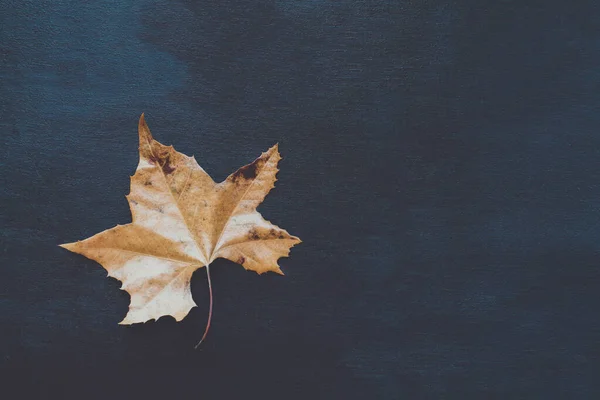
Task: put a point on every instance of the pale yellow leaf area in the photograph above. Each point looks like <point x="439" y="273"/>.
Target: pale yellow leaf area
<point x="182" y="221"/>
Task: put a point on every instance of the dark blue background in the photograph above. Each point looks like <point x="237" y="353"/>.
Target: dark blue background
<point x="441" y="164"/>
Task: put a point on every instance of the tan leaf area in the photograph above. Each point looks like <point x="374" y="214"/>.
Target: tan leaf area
<point x="182" y="221"/>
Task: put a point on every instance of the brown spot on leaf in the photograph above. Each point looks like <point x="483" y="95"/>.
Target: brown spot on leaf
<point x="248" y="172"/>
<point x="148" y="183"/>
<point x="163" y="159"/>
<point x="275" y="234"/>
<point x="255" y="234"/>
<point x="168" y="168"/>
<point x="241" y="260"/>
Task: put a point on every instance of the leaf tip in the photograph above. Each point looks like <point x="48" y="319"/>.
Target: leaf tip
<point x="127" y="320"/>
<point x="68" y="246"/>
<point x="274" y="149"/>
<point x="143" y="130"/>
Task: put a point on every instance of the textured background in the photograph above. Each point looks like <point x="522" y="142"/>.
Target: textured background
<point x="441" y="164"/>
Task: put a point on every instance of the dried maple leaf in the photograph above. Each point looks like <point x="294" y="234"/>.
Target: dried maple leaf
<point x="182" y="221"/>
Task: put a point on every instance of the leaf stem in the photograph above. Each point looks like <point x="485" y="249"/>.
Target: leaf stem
<point x="210" y="306"/>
